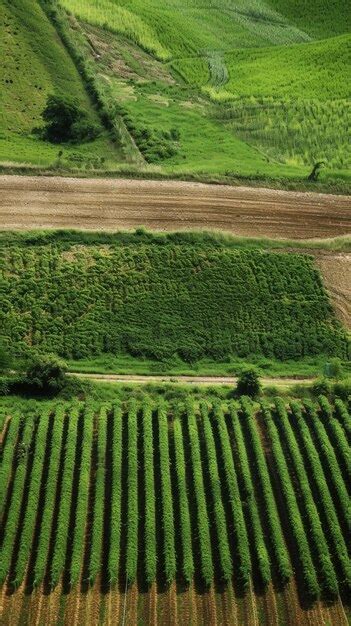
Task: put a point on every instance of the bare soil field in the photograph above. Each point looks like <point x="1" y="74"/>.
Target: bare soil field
<point x="116" y="204"/>
<point x="213" y="608"/>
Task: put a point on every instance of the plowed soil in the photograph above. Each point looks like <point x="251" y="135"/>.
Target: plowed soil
<point x="204" y="609"/>
<point x="110" y="204"/>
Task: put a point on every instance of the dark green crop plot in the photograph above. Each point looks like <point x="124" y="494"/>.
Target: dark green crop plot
<point x="164" y="297"/>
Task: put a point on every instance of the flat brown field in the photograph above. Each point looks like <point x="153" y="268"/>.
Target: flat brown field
<point x="165" y="608"/>
<point x="117" y="204"/>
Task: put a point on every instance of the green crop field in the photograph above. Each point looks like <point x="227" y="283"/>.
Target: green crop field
<point x="163" y="297"/>
<point x="258" y="89"/>
<point x="142" y="490"/>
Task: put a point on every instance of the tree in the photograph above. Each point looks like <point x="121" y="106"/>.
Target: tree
<point x="249" y="383"/>
<point x="5" y="358"/>
<point x="46" y="372"/>
<point x="67" y="121"/>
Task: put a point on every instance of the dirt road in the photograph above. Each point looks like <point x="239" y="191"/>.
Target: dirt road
<point x="110" y="204"/>
<point x="192" y="380"/>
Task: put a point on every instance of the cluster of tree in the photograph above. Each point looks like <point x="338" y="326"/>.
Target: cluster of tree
<point x="66" y="121"/>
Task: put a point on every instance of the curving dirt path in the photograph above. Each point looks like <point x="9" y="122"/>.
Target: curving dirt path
<point x="36" y="202"/>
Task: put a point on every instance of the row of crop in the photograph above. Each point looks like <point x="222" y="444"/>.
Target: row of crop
<point x="99" y="496"/>
<point x="244" y="565"/>
<point x="13" y="516"/>
<point x="29" y="519"/>
<point x="327" y="506"/>
<point x="203" y="528"/>
<point x="132" y="504"/>
<point x="343" y="416"/>
<point x="8" y="456"/>
<point x="149" y="494"/>
<point x="248" y="492"/>
<point x="184" y="513"/>
<point x="297" y="529"/>
<point x="337" y="436"/>
<point x="217" y="501"/>
<point x="328" y="456"/>
<point x="41" y="556"/>
<point x="167" y="499"/>
<point x="318" y="540"/>
<point x="116" y="496"/>
<point x="272" y="518"/>
<point x="61" y="533"/>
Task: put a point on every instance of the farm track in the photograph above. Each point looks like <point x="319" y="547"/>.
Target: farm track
<point x="194" y="380"/>
<point x="116" y="204"/>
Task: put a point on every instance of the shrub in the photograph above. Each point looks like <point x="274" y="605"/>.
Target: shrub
<point x="46" y="373"/>
<point x="322" y="386"/>
<point x="249" y="383"/>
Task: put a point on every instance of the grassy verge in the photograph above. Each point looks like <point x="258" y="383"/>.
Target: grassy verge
<point x="110" y="364"/>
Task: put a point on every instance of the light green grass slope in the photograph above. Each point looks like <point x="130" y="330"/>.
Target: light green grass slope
<point x="174" y="28"/>
<point x="34" y="64"/>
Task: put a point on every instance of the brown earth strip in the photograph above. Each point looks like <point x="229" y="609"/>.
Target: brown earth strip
<point x="36" y="202"/>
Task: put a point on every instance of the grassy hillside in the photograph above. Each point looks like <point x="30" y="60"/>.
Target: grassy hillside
<point x="319" y="19"/>
<point x="253" y="89"/>
<point x="136" y="492"/>
<point x="34" y="65"/>
<point x="160" y="297"/>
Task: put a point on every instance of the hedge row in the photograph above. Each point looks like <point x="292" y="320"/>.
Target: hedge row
<point x="272" y="518"/>
<point x="218" y="512"/>
<point x="316" y="534"/>
<point x="325" y="500"/>
<point x="61" y="534"/>
<point x="185" y="525"/>
<point x="248" y="497"/>
<point x="203" y="528"/>
<point x="132" y="505"/>
<point x="30" y="514"/>
<point x="170" y="565"/>
<point x="99" y="496"/>
<point x="149" y="493"/>
<point x="343" y="416"/>
<point x="8" y="456"/>
<point x="116" y="496"/>
<point x="337" y="437"/>
<point x="327" y="454"/>
<point x="50" y="496"/>
<point x="12" y="521"/>
<point x="243" y="569"/>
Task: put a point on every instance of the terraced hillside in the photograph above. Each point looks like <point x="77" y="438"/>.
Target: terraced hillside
<point x="124" y="495"/>
<point x="185" y="296"/>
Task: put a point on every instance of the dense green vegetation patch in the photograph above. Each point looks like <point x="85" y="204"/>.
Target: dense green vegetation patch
<point x="253" y="486"/>
<point x="164" y="297"/>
